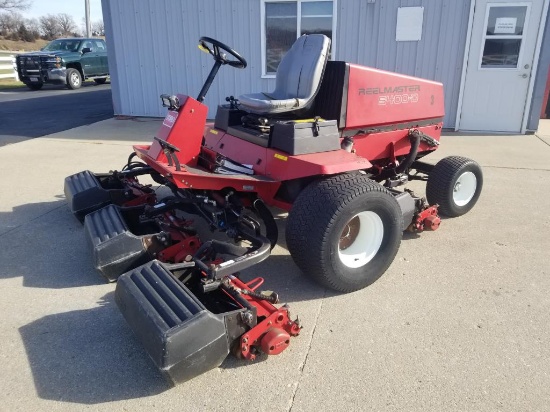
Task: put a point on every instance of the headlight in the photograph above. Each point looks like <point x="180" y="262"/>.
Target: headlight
<point x="54" y="61"/>
<point x="172" y="102"/>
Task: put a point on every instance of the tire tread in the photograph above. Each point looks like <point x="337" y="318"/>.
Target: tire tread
<point x="441" y="177"/>
<point x="322" y="201"/>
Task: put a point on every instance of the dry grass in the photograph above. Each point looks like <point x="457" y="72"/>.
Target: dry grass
<point x="10" y="84"/>
<point x="11" y="45"/>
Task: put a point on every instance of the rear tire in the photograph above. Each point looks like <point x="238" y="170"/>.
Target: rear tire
<point x="100" y="80"/>
<point x="344" y="231"/>
<point x="454" y="184"/>
<point x="74" y="79"/>
<point x="34" y="86"/>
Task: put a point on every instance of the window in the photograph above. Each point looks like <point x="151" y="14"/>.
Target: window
<point x="70" y="45"/>
<point x="99" y="46"/>
<point x="503" y="35"/>
<point x="283" y="21"/>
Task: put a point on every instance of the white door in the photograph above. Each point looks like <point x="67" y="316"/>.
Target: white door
<point x="499" y="68"/>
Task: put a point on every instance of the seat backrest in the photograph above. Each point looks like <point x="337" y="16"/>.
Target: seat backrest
<point x="332" y="98"/>
<point x="301" y="69"/>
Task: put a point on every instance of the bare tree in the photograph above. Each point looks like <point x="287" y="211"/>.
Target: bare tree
<point x="23" y="34"/>
<point x="66" y="23"/>
<point x="10" y="23"/>
<point x="49" y="26"/>
<point x="11" y="5"/>
<point x="5" y="24"/>
<point x="33" y="26"/>
<point x="98" y="28"/>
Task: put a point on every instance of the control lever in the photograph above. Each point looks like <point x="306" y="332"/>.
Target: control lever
<point x="169" y="150"/>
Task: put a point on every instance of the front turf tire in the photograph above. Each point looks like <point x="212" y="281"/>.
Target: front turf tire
<point x="454" y="184"/>
<point x="344" y="231"/>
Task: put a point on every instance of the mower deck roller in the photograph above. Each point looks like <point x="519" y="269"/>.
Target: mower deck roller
<point x="86" y="191"/>
<point x="188" y="329"/>
<point x="182" y="337"/>
<point x="115" y="248"/>
<point x="85" y="194"/>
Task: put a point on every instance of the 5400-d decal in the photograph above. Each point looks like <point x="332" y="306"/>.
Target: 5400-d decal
<point x="393" y="95"/>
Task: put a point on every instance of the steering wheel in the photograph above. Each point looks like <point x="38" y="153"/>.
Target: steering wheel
<point x="216" y="49"/>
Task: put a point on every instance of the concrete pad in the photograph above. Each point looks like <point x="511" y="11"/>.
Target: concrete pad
<point x="458" y="322"/>
<point x="38" y="167"/>
<point x="544" y="128"/>
<point x="502" y="151"/>
<point x="544" y="131"/>
<point x="120" y="130"/>
<point x="64" y="341"/>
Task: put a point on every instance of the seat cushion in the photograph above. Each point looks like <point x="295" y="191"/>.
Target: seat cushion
<point x="298" y="78"/>
<point x="259" y="102"/>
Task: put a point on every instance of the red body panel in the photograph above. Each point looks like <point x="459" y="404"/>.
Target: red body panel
<point x="386" y="145"/>
<point x="383" y="106"/>
<point x="282" y="166"/>
<point x="183" y="129"/>
<point x="190" y="177"/>
<point x="278" y="165"/>
<point x="377" y="97"/>
<point x="236" y="149"/>
<point x="381" y="109"/>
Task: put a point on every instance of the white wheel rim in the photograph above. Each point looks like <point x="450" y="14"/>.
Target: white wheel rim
<point x="361" y="239"/>
<point x="465" y="188"/>
<point x="75" y="79"/>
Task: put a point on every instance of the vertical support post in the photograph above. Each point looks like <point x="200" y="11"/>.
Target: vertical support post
<point x="88" y="22"/>
<point x="14" y="64"/>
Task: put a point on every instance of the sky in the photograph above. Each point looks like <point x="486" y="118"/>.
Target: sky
<point x="74" y="8"/>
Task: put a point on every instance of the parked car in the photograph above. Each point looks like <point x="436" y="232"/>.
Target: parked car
<point x="65" y="61"/>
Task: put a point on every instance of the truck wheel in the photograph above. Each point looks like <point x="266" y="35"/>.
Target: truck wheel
<point x="100" y="80"/>
<point x="34" y="86"/>
<point x="344" y="231"/>
<point x="74" y="79"/>
<point x="455" y="185"/>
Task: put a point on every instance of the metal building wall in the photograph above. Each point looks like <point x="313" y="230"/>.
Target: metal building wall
<point x="153" y="47"/>
<point x="366" y="34"/>
<point x="153" y="50"/>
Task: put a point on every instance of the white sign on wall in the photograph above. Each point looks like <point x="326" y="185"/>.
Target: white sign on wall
<point x="505" y="25"/>
<point x="409" y="24"/>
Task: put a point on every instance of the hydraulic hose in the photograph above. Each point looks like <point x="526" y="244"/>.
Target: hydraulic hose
<point x="414" y="137"/>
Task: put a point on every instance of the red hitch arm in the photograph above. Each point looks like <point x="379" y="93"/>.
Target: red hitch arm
<point x="272" y="335"/>
<point x="427" y="219"/>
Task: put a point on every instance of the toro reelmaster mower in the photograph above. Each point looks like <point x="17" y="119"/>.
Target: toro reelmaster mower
<point x="332" y="144"/>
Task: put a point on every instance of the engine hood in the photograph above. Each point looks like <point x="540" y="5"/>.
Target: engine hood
<point x="57" y="53"/>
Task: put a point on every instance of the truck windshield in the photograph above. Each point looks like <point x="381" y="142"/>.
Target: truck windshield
<point x="68" y="45"/>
